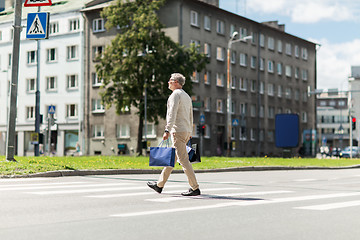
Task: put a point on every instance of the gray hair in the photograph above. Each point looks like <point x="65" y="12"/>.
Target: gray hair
<point x="178" y="77"/>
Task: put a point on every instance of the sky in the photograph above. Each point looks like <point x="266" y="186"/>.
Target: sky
<point x="334" y="24"/>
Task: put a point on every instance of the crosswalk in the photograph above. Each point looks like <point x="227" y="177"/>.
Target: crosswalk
<point x="222" y="194"/>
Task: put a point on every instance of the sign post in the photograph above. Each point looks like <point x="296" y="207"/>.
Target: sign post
<point x="51" y="112"/>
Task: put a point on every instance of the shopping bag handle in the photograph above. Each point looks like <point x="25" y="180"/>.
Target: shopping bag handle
<point x="166" y="142"/>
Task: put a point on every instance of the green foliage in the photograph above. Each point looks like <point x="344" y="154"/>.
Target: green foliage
<point x="142" y="54"/>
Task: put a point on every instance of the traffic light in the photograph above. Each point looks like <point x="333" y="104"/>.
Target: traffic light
<point x="202" y="130"/>
<point x="198" y="129"/>
<point x="353" y="123"/>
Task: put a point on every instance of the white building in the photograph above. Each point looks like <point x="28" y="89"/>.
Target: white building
<point x="61" y="80"/>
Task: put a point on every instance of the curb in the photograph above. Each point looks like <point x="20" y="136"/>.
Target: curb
<point x="69" y="173"/>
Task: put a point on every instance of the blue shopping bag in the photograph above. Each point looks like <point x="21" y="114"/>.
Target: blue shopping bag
<point x="162" y="156"/>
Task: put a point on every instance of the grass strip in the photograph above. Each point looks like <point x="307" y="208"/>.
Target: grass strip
<point x="30" y="165"/>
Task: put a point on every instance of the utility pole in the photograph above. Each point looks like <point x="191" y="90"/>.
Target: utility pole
<point x="10" y="143"/>
<point x="37" y="97"/>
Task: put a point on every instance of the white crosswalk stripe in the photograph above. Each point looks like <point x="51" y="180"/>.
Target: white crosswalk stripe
<point x="331" y="205"/>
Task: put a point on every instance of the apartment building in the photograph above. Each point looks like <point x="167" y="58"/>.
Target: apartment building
<point x="270" y="74"/>
<point x="60" y="81"/>
<point x="333" y="120"/>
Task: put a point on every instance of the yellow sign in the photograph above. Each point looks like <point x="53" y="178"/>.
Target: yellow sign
<point x="34" y="138"/>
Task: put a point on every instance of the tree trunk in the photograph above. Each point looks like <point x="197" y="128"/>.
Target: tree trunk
<point x="140" y="134"/>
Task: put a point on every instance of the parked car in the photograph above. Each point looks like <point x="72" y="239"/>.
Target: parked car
<point x="346" y="152"/>
<point x="335" y="152"/>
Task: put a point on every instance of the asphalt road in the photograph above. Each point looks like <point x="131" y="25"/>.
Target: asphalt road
<point x="306" y="204"/>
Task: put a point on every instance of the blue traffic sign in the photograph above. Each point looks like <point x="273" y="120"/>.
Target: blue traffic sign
<point x="202" y="118"/>
<point x="51" y="109"/>
<point x="37" y="25"/>
<point x="235" y="122"/>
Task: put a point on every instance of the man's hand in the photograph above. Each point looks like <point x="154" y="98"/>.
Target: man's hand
<point x="166" y="136"/>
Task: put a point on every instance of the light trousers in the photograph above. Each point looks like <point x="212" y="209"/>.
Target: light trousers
<point x="180" y="139"/>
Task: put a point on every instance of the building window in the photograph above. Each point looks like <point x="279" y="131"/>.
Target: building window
<point x="54" y="27"/>
<point x="97" y="106"/>
<point x="151" y="130"/>
<point x="252" y="134"/>
<point x="304" y="117"/>
<point x="279" y="46"/>
<point x="207" y="49"/>
<point x="71" y="111"/>
<point x="271" y="43"/>
<point x="233" y="82"/>
<point x="271" y="89"/>
<point x="288" y="49"/>
<point x="279" y="68"/>
<point x="279" y="93"/>
<point x="243" y="33"/>
<point x="207" y="23"/>
<point x="51" y="55"/>
<point x="195" y="77"/>
<point x="297" y="73"/>
<point x="9" y="60"/>
<point x="207" y="104"/>
<point x="288" y="71"/>
<point x="31" y="85"/>
<point x="304" y="74"/>
<point x="262" y="111"/>
<point x="232" y="29"/>
<point x="253" y="85"/>
<point x="243" y="59"/>
<point x="207" y="78"/>
<point x="296" y="51"/>
<point x="123" y="131"/>
<point x="220" y="27"/>
<point x="262" y="87"/>
<point x="271" y="112"/>
<point x="30" y="113"/>
<point x="253" y="62"/>
<point x="219" y="106"/>
<point x="253" y="110"/>
<point x="51" y="84"/>
<point x="243" y="109"/>
<point x="242" y="133"/>
<point x="270" y="136"/>
<point x="96" y="82"/>
<point x="72" y="81"/>
<point x="31" y="57"/>
<point x="194" y="19"/>
<point x="220" y="54"/>
<point x="233" y="57"/>
<point x="232" y="109"/>
<point x="262" y="63"/>
<point x="262" y="40"/>
<point x="98" y="25"/>
<point x="74" y="24"/>
<point x="220" y="79"/>
<point x="72" y="52"/>
<point x="270" y="66"/>
<point x="98" y="131"/>
<point x="288" y="93"/>
<point x="97" y="52"/>
<point x="243" y="84"/>
<point x="297" y="95"/>
<point x="304" y="53"/>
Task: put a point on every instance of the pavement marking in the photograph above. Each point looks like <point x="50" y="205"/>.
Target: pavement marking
<point x="329" y="206"/>
<point x="176" y="198"/>
<point x="151" y="192"/>
<point x="305" y="180"/>
<point x="241" y="203"/>
<point x="62" y="186"/>
<point x="34" y="185"/>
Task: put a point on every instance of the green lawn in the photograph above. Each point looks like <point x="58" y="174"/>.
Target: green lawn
<point x="29" y="165"/>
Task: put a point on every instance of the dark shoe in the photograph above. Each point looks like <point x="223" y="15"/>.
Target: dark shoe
<point x="191" y="192"/>
<point x="154" y="186"/>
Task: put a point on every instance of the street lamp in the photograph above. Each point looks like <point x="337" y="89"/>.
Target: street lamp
<point x="231" y="41"/>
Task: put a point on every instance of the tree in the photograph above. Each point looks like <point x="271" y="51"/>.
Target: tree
<point x="142" y="55"/>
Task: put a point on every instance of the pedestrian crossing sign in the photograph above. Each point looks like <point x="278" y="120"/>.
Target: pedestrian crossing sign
<point x="37" y="25"/>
